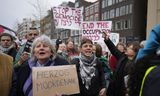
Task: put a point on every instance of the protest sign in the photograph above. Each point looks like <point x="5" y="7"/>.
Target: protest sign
<point x="114" y="37"/>
<point x="93" y="29"/>
<point x="68" y="18"/>
<point x="48" y="81"/>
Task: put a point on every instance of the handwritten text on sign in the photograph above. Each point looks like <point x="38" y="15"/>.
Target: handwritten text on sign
<point x="68" y="18"/>
<point x="48" y="81"/>
<point x="93" y="29"/>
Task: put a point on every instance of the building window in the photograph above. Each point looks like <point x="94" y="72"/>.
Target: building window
<point x="118" y="25"/>
<point x="117" y="1"/>
<point x="106" y="3"/>
<point x="117" y="12"/>
<point x="80" y="32"/>
<point x="113" y="26"/>
<point x="87" y="18"/>
<point x="112" y="13"/>
<point x="103" y="3"/>
<point x="66" y="34"/>
<point x="91" y="18"/>
<point x="122" y="10"/>
<point x="96" y="17"/>
<point x="105" y="15"/>
<point x="97" y="7"/>
<point x="109" y="2"/>
<point x="77" y="32"/>
<point x="126" y="24"/>
<point x="108" y="14"/>
<point x="120" y="0"/>
<point x="91" y="10"/>
<point x="72" y="32"/>
<point x="113" y="2"/>
<point x="86" y="11"/>
<point x="76" y="40"/>
<point x="127" y="9"/>
<point x="130" y="8"/>
<point x="77" y="4"/>
<point x="102" y="16"/>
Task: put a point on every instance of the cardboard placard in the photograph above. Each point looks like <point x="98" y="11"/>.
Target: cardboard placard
<point x="48" y="81"/>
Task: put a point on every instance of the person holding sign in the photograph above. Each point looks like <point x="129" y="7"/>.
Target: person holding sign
<point x="90" y="71"/>
<point x="42" y="55"/>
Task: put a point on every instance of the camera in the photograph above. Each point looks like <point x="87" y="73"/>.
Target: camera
<point x="27" y="46"/>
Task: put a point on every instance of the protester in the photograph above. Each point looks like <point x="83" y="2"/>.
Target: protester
<point x="42" y="54"/>
<point x="90" y="71"/>
<point x="144" y="76"/>
<point x="152" y="43"/>
<point x="72" y="51"/>
<point x="112" y="59"/>
<point x="7" y="78"/>
<point x="58" y="41"/>
<point x="22" y="54"/>
<point x="117" y="87"/>
<point x="7" y="44"/>
<point x="143" y="82"/>
<point x="107" y="71"/>
<point x="62" y="51"/>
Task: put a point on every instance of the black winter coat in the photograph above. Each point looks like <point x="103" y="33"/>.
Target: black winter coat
<point x="117" y="86"/>
<point x="12" y="52"/>
<point x="97" y="83"/>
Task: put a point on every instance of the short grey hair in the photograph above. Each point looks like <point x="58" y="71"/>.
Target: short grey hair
<point x="45" y="40"/>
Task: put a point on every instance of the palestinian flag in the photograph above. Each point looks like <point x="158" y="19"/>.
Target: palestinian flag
<point x="4" y="29"/>
<point x="1" y="29"/>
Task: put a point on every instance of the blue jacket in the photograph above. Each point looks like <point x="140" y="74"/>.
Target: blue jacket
<point x="152" y="44"/>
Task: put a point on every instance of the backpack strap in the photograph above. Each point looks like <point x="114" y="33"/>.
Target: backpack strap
<point x="146" y="73"/>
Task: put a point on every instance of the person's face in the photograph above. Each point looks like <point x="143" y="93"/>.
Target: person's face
<point x="42" y="51"/>
<point x="6" y="41"/>
<point x="120" y="48"/>
<point x="94" y="49"/>
<point x="62" y="47"/>
<point x="32" y="35"/>
<point x="70" y="45"/>
<point x="130" y="52"/>
<point x="87" y="49"/>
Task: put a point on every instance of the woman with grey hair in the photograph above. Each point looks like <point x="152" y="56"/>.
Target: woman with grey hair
<point x="42" y="54"/>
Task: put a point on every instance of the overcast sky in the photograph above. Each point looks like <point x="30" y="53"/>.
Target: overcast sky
<point x="13" y="11"/>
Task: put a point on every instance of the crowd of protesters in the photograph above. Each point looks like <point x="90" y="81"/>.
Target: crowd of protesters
<point x="130" y="70"/>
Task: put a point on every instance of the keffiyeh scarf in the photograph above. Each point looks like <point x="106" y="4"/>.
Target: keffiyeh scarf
<point x="5" y="50"/>
<point x="87" y="69"/>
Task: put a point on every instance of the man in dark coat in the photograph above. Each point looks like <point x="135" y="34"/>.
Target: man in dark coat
<point x="7" y="44"/>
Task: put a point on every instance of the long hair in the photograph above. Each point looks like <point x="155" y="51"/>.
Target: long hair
<point x="99" y="51"/>
<point x="74" y="50"/>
